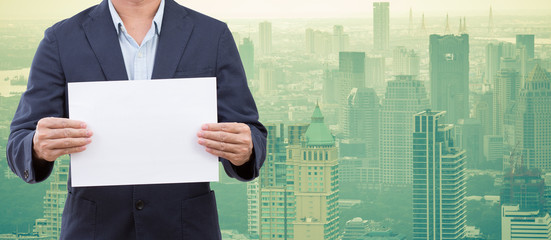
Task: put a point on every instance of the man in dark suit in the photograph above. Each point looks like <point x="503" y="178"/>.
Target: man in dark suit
<point x="135" y="40"/>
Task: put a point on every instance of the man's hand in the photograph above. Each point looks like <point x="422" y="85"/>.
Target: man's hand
<point x="231" y="141"/>
<point x="55" y="137"/>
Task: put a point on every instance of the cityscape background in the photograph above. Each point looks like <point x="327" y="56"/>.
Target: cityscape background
<point x="386" y="120"/>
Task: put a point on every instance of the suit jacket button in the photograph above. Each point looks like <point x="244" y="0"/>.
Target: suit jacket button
<point x="140" y="204"/>
<point x="26" y="174"/>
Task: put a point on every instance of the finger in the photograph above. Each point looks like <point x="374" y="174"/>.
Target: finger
<point x="221" y="154"/>
<point x="225" y="137"/>
<point x="67" y="143"/>
<point x="52" y="122"/>
<point x="60" y="152"/>
<point x="226" y="127"/>
<point x="68" y="133"/>
<point x="220" y="146"/>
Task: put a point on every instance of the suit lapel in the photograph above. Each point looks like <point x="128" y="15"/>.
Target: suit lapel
<point x="102" y="36"/>
<point x="175" y="33"/>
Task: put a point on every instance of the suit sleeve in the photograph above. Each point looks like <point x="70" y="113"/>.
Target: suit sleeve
<point x="236" y="104"/>
<point x="44" y="97"/>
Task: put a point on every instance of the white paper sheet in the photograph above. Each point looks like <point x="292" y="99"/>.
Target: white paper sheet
<point x="145" y="132"/>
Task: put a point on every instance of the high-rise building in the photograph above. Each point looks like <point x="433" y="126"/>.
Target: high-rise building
<point x="483" y="111"/>
<point x="265" y="36"/>
<point x="525" y="42"/>
<point x="404" y="97"/>
<point x="520" y="224"/>
<point x="54" y="201"/>
<point x="506" y="89"/>
<point x="469" y="137"/>
<point x="313" y="173"/>
<point x="405" y="62"/>
<point x="246" y="51"/>
<point x="318" y="42"/>
<point x="533" y="120"/>
<point x="375" y="72"/>
<point x="381" y="25"/>
<point x="274" y="196"/>
<point x="493" y="61"/>
<point x="341" y="41"/>
<point x="266" y="78"/>
<point x="438" y="180"/>
<point x="351" y="75"/>
<point x="493" y="151"/>
<point x="253" y="209"/>
<point x="449" y="75"/>
<point x="362" y="121"/>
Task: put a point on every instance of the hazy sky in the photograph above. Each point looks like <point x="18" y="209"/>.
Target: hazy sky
<point x="228" y="9"/>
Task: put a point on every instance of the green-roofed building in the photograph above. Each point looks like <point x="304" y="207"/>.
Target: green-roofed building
<point x="312" y="175"/>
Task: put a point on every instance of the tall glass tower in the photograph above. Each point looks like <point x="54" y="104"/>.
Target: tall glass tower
<point x="438" y="180"/>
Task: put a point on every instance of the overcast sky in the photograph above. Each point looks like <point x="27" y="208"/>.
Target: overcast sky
<point x="229" y="9"/>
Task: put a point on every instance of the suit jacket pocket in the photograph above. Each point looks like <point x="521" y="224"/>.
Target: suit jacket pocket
<point x="208" y="72"/>
<point x="200" y="218"/>
<point x="79" y="219"/>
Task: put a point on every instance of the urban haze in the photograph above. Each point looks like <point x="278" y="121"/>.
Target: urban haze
<point x="386" y="120"/>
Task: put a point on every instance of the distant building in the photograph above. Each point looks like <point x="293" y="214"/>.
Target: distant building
<point x="533" y="120"/>
<point x="265" y="36"/>
<point x="318" y="42"/>
<point x="405" y="62"/>
<point x="375" y="72"/>
<point x="524" y="224"/>
<point x="313" y="175"/>
<point x="483" y="111"/>
<point x="449" y="75"/>
<point x="525" y="43"/>
<point x="341" y="41"/>
<point x="469" y="137"/>
<point x="381" y="25"/>
<point x="246" y="51"/>
<point x="506" y="89"/>
<point x="362" y="120"/>
<point x="438" y="180"/>
<point x="404" y="97"/>
<point x="351" y="75"/>
<point x="493" y="150"/>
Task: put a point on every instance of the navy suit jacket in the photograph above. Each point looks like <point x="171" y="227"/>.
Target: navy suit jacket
<point x="86" y="48"/>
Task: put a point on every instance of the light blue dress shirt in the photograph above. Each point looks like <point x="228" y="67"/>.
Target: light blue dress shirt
<point x="138" y="59"/>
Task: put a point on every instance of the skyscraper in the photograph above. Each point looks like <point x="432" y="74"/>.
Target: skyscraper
<point x="483" y="111"/>
<point x="265" y="36"/>
<point x="438" y="180"/>
<point x="493" y="60"/>
<point x="246" y="51"/>
<point x="375" y="72"/>
<point x="313" y="172"/>
<point x="54" y="200"/>
<point x="525" y="42"/>
<point x="449" y="75"/>
<point x="405" y="62"/>
<point x="469" y="136"/>
<point x="340" y="39"/>
<point x="273" y="193"/>
<point x="362" y="121"/>
<point x="404" y="97"/>
<point x="381" y="27"/>
<point x="506" y="89"/>
<point x="533" y="120"/>
<point x="351" y="75"/>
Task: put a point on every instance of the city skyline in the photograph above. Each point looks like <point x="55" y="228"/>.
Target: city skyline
<point x="250" y="9"/>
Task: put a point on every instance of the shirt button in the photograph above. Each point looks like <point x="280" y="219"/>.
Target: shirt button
<point x="26" y="174"/>
<point x="140" y="54"/>
<point x="140" y="204"/>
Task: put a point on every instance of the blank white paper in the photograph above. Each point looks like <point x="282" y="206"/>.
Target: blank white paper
<point x="144" y="132"/>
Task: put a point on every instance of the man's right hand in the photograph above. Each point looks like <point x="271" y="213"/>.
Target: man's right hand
<point x="55" y="137"/>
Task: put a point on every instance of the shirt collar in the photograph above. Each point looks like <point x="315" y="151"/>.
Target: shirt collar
<point x="157" y="20"/>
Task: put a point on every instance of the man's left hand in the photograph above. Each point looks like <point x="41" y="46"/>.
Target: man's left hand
<point x="231" y="141"/>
